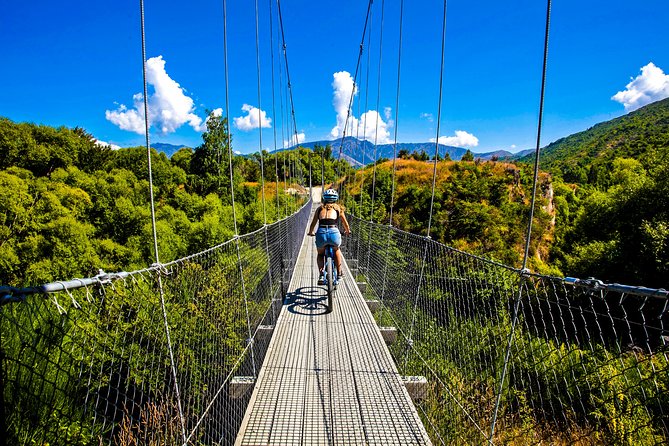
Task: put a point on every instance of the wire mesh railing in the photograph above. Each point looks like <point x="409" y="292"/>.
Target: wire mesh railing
<point x="586" y="362"/>
<point x="90" y="362"/>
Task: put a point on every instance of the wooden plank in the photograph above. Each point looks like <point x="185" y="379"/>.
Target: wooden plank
<point x="328" y="378"/>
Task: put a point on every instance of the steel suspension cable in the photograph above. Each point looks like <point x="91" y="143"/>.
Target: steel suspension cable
<point x="285" y="56"/>
<point x="355" y="77"/>
<point x="323" y="170"/>
<point x="364" y="126"/>
<point x="284" y="132"/>
<point x="276" y="155"/>
<point x="262" y="161"/>
<point x="232" y="185"/>
<point x="524" y="270"/>
<point x="376" y="132"/>
<point x="364" y="121"/>
<point x="285" y="183"/>
<point x="392" y="187"/>
<point x="378" y="101"/>
<point x="436" y="144"/>
<point x="154" y="230"/>
<point x="434" y="180"/>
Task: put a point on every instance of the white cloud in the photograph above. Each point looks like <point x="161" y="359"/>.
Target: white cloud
<point x="461" y="139"/>
<point x="427" y="116"/>
<point x="373" y="128"/>
<point x="650" y="86"/>
<point x="105" y="144"/>
<point x="294" y="140"/>
<point x="387" y="112"/>
<point x="369" y="126"/>
<point x="169" y="107"/>
<point x="255" y="118"/>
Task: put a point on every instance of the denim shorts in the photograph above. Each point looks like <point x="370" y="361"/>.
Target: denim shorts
<point x="327" y="236"/>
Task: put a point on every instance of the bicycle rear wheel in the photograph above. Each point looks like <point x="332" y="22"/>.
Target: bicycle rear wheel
<point x="329" y="278"/>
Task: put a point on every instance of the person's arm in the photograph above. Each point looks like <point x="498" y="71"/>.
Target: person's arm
<point x="344" y="222"/>
<point x="314" y="221"/>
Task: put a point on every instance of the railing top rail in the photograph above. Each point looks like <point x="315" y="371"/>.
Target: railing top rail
<point x="10" y="294"/>
<point x="597" y="285"/>
<point x="589" y="283"/>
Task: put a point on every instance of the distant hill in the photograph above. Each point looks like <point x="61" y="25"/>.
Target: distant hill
<point x="579" y="157"/>
<point x="167" y="149"/>
<point x="361" y="152"/>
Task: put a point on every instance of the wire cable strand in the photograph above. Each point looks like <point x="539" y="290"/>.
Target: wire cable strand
<point x="262" y="161"/>
<point x="436" y="144"/>
<point x="290" y="87"/>
<point x="523" y="270"/>
<point x="355" y="77"/>
<point x="232" y="183"/>
<point x="153" y="226"/>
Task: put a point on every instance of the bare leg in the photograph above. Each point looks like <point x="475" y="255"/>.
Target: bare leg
<point x="338" y="261"/>
<point x="320" y="260"/>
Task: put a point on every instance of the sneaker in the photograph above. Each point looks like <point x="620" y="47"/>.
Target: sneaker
<point x="335" y="283"/>
<point x="321" y="280"/>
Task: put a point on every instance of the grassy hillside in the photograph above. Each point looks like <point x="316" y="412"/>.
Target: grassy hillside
<point x="69" y="207"/>
<point x="587" y="157"/>
<point x="603" y="206"/>
<point x="480" y="207"/>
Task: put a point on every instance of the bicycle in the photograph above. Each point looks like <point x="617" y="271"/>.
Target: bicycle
<point x="330" y="272"/>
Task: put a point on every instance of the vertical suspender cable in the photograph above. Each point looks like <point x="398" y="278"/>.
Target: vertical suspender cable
<point x="434" y="181"/>
<point x="364" y="132"/>
<point x="262" y="161"/>
<point x="436" y="144"/>
<point x="378" y="101"/>
<point x="357" y="136"/>
<point x="376" y="134"/>
<point x="523" y="270"/>
<point x="232" y="185"/>
<point x="360" y="119"/>
<point x="155" y="232"/>
<point x="392" y="187"/>
<point x="285" y="183"/>
<point x="262" y="165"/>
<point x="276" y="155"/>
<point x="355" y="78"/>
<point x="146" y="131"/>
<point x="285" y="56"/>
<point x="284" y="144"/>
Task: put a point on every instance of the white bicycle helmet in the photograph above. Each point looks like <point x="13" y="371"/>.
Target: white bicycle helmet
<point x="330" y="196"/>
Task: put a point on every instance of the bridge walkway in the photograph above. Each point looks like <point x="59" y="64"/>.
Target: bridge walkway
<point x="328" y="378"/>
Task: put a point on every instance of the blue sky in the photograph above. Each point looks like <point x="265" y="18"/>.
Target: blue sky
<point x="78" y="63"/>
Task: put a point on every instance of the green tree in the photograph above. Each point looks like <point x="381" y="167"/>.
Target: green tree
<point x="209" y="164"/>
<point x="468" y="156"/>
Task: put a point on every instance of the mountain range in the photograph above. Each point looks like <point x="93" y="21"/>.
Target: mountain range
<point x="619" y="136"/>
<point x="361" y="152"/>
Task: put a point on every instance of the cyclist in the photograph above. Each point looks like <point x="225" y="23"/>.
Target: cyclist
<point x="327" y="216"/>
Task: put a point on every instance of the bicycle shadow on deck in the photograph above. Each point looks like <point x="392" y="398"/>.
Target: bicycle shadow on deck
<point x="307" y="301"/>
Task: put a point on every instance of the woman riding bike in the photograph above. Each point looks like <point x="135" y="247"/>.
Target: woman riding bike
<point x="327" y="216"/>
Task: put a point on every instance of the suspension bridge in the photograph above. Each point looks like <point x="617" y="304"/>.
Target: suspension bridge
<point x="233" y="346"/>
<point x="426" y="345"/>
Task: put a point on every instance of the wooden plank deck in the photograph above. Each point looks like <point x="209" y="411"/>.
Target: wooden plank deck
<point x="328" y="378"/>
